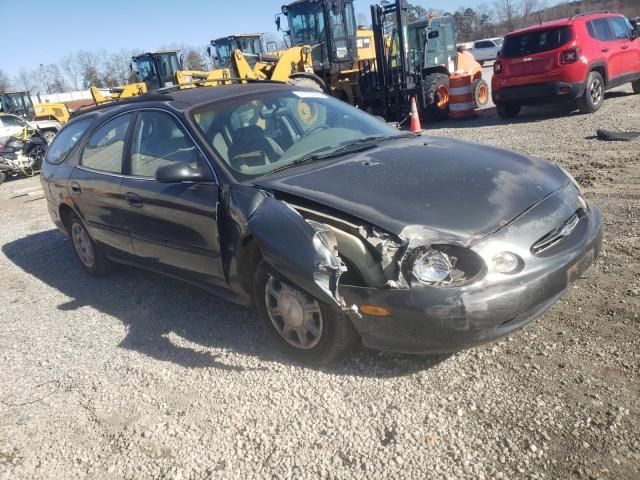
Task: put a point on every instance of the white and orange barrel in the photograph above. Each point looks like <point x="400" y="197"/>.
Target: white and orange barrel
<point x="461" y="96"/>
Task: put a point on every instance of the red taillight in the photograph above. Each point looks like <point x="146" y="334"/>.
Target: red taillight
<point x="569" y="56"/>
<point x="497" y="66"/>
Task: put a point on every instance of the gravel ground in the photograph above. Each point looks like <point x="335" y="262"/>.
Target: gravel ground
<point x="138" y="376"/>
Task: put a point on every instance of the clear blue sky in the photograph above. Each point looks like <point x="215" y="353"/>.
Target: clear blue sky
<point x="39" y="31"/>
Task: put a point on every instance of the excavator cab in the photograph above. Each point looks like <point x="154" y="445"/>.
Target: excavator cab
<point x="221" y="49"/>
<point x="18" y="103"/>
<point x="329" y="27"/>
<point x="156" y="69"/>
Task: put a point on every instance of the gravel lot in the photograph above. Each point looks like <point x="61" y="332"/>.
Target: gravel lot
<point x="138" y="376"/>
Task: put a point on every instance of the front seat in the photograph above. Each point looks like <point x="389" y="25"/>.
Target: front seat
<point x="252" y="148"/>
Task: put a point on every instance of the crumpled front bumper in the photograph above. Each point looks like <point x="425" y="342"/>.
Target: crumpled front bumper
<point x="427" y="319"/>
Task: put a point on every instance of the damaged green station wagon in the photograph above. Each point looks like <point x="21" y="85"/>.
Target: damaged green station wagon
<point x="334" y="225"/>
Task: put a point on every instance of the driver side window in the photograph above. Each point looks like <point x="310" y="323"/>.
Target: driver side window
<point x="157" y="141"/>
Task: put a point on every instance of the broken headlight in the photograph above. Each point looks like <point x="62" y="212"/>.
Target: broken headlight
<point x="432" y="266"/>
<point x="443" y="265"/>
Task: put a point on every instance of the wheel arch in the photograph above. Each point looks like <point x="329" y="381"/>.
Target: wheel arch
<point x="601" y="68"/>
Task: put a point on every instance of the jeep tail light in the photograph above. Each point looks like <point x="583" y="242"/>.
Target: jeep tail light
<point x="497" y="66"/>
<point x="569" y="56"/>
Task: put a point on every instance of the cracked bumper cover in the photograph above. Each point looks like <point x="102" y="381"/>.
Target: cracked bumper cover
<point x="429" y="319"/>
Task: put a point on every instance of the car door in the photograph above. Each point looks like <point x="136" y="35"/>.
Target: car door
<point x="607" y="47"/>
<point x="173" y="226"/>
<point x="626" y="57"/>
<point x="95" y="182"/>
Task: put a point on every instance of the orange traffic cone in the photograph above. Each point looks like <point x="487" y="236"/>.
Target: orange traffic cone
<point x="415" y="118"/>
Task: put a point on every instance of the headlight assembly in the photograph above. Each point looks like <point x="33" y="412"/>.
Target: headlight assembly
<point x="432" y="266"/>
<point x="443" y="265"/>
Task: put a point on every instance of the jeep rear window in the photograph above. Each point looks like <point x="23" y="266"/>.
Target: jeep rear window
<point x="536" y="42"/>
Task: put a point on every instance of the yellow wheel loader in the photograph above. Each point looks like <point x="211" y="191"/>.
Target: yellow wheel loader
<point x="47" y="117"/>
<point x="329" y="28"/>
<point x="245" y="57"/>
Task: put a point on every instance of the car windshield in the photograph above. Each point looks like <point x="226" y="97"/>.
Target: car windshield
<point x="256" y="135"/>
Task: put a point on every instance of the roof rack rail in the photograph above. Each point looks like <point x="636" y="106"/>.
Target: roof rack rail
<point x="212" y="82"/>
<point x="589" y="13"/>
<point x="145" y="97"/>
<point x="162" y="93"/>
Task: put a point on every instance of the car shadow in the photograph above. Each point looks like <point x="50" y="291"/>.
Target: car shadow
<point x="171" y="321"/>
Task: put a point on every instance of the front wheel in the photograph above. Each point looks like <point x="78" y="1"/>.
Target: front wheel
<point x="508" y="110"/>
<point x="435" y="87"/>
<point x="593" y="96"/>
<point x="300" y="325"/>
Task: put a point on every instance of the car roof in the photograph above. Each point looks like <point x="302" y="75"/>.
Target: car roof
<point x="182" y="100"/>
<point x="563" y="22"/>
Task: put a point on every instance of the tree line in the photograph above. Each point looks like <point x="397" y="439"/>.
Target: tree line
<point x="82" y="69"/>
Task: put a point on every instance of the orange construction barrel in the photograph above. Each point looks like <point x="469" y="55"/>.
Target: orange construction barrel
<point x="461" y="96"/>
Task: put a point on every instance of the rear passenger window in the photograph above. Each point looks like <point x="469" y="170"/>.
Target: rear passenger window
<point x="64" y="141"/>
<point x="157" y="141"/>
<point x="104" y="149"/>
<point x="619" y="27"/>
<point x="600" y="30"/>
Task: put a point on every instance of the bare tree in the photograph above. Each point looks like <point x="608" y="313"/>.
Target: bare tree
<point x="193" y="60"/>
<point x="52" y="79"/>
<point x="506" y="11"/>
<point x="5" y="84"/>
<point x="25" y="80"/>
<point x="72" y="69"/>
<point x="89" y="68"/>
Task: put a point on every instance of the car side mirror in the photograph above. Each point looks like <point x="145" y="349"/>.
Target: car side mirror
<point x="278" y="22"/>
<point x="433" y="34"/>
<point x="179" y="172"/>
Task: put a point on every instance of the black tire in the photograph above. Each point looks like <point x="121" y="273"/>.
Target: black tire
<point x="3" y="177"/>
<point x="480" y="93"/>
<point x="100" y="265"/>
<point x="593" y="96"/>
<point x="337" y="333"/>
<point x="508" y="110"/>
<point x="636" y="86"/>
<point x="310" y="82"/>
<point x="431" y="84"/>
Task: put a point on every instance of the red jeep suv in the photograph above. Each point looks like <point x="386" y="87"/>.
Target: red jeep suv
<point x="576" y="58"/>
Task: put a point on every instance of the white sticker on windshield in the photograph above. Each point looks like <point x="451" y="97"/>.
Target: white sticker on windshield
<point x="310" y="95"/>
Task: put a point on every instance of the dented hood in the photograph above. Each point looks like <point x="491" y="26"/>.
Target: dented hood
<point x="459" y="189"/>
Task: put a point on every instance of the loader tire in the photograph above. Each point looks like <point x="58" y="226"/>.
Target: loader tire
<point x="436" y="95"/>
<point x="480" y="93"/>
<point x="308" y="82"/>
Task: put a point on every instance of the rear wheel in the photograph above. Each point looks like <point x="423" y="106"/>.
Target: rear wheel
<point x="92" y="257"/>
<point x="480" y="93"/>
<point x="508" y="110"/>
<point x="436" y="94"/>
<point x="301" y="326"/>
<point x="636" y="86"/>
<point x="593" y="96"/>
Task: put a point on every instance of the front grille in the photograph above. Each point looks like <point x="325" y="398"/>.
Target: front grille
<point x="557" y="235"/>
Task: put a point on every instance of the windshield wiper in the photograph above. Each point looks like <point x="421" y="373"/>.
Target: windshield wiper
<point x="360" y="145"/>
